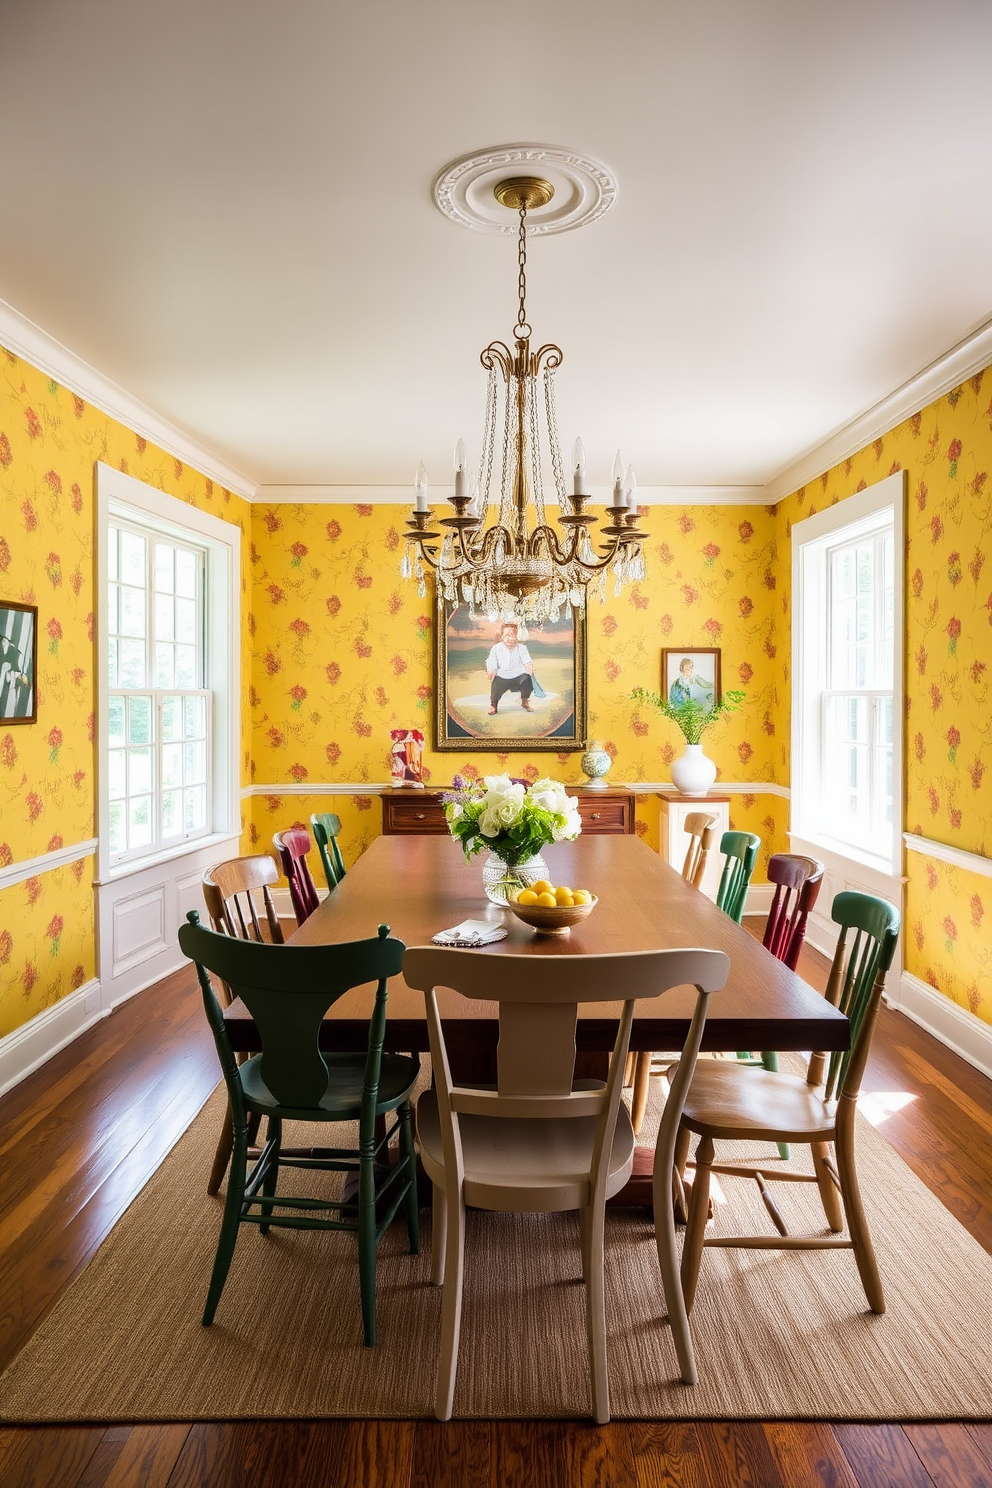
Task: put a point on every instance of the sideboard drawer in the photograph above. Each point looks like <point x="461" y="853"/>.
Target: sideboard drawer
<point x="421" y="811"/>
<point x="606" y="813"/>
<point x="412" y="811"/>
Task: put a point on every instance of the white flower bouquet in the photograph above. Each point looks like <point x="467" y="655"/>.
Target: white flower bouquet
<point x="512" y="820"/>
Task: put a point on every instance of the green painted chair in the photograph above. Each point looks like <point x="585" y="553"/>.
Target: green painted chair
<point x="326" y="831"/>
<point x="726" y="1102"/>
<point x="741" y="854"/>
<point x="288" y="990"/>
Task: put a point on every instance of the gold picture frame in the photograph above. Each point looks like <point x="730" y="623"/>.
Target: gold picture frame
<point x="546" y="711"/>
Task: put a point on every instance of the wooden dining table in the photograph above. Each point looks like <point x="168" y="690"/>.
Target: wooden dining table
<point x="419" y="885"/>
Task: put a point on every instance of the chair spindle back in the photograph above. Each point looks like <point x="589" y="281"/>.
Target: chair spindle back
<point x="292" y="847"/>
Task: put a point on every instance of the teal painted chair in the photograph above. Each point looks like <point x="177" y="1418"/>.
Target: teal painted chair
<point x="288" y="990"/>
<point x="326" y="831"/>
<point x="727" y="1102"/>
<point x="740" y="851"/>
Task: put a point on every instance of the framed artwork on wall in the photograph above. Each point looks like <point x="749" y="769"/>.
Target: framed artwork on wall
<point x="691" y="674"/>
<point x="18" y="662"/>
<point x="508" y="686"/>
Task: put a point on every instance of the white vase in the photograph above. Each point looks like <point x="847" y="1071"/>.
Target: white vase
<point x="692" y="772"/>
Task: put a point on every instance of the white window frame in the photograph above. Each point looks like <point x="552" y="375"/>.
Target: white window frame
<point x="812" y="540"/>
<point x="122" y="497"/>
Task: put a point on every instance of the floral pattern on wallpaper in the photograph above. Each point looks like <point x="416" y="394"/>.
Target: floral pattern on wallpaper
<point x="946" y="451"/>
<point x="47" y="941"/>
<point x="50" y="441"/>
<point x="948" y="932"/>
<point x="342" y="651"/>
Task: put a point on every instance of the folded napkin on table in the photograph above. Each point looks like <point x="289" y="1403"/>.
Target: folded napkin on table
<point x="470" y="933"/>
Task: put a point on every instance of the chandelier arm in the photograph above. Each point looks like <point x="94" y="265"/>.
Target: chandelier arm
<point x="498" y="354"/>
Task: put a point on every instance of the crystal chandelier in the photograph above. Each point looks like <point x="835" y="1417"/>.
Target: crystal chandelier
<point x="499" y="554"/>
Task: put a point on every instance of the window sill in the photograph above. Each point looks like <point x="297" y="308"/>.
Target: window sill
<point x="167" y="855"/>
<point x="844" y="850"/>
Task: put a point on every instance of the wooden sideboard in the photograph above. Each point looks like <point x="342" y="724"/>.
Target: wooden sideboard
<point x="403" y="811"/>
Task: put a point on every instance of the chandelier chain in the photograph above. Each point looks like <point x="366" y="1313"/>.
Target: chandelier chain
<point x="522" y="326"/>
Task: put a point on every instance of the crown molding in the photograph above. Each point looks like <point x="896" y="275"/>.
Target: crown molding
<point x="36" y="346"/>
<point x="648" y="496"/>
<point x="948" y="371"/>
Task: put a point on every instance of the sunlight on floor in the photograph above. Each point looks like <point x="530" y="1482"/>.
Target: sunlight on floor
<point x="877" y="1106"/>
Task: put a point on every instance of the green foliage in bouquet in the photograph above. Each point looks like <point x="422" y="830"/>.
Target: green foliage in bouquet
<point x="509" y="819"/>
<point x="692" y="718"/>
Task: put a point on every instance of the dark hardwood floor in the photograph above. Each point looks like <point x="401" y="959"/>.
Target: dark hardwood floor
<point x="79" y="1138"/>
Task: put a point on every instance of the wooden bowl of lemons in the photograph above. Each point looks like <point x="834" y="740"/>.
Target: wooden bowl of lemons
<point x="550" y="910"/>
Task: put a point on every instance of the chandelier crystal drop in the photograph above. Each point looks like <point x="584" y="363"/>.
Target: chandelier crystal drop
<point x="499" y="554"/>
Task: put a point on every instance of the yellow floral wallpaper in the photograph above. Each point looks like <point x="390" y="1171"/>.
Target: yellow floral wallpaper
<point x="338" y="649"/>
<point x="50" y="441"/>
<point x="946" y="451"/>
<point x="342" y="651"/>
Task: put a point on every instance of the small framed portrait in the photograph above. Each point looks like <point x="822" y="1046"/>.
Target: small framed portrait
<point x="18" y="662"/>
<point x="505" y="685"/>
<point x="691" y="675"/>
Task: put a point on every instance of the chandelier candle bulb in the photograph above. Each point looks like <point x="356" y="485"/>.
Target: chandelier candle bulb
<point x="578" y="468"/>
<point x="461" y="473"/>
<point x="421" y="488"/>
<point x="631" y="493"/>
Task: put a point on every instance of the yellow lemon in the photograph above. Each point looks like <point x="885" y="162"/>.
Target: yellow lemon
<point x="563" y="896"/>
<point x="581" y="896"/>
<point x="526" y="896"/>
<point x="546" y="901"/>
<point x="543" y="887"/>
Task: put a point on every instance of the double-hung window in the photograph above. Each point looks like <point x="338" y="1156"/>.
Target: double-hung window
<point x="158" y="708"/>
<point x="857" y="700"/>
<point x="847" y="677"/>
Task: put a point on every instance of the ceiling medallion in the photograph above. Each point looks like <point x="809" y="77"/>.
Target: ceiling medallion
<point x="499" y="554"/>
<point x="583" y="189"/>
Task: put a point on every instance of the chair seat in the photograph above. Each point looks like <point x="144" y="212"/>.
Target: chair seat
<point x="726" y="1098"/>
<point x="343" y="1098"/>
<point x="538" y="1166"/>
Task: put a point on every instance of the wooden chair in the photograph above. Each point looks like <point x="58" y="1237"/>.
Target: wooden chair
<point x="228" y="891"/>
<point x="701" y="829"/>
<point x="797" y="883"/>
<point x="292" y="847"/>
<point x="541" y="1142"/>
<point x="288" y="990"/>
<point x="741" y="854"/>
<point x="726" y="1101"/>
<point x="326" y="831"/>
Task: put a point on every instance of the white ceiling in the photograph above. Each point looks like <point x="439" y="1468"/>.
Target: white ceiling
<point x="224" y="206"/>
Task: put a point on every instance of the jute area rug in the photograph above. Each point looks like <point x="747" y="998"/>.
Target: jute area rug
<point x="777" y="1335"/>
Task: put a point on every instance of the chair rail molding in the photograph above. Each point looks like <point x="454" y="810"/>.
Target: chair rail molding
<point x="944" y="853"/>
<point x="61" y="857"/>
<point x="637" y="787"/>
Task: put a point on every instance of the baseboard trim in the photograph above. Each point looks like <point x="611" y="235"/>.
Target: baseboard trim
<point x="31" y="1045"/>
<point x="954" y="1026"/>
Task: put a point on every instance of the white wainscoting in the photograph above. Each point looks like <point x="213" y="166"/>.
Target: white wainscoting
<point x="27" y="1048"/>
<point x="139" y="915"/>
<point x="840" y="873"/>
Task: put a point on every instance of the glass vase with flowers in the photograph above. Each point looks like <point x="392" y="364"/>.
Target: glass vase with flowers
<point x="514" y="821"/>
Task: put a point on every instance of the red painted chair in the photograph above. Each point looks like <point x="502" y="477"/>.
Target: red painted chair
<point x="797" y="883"/>
<point x="292" y="847"/>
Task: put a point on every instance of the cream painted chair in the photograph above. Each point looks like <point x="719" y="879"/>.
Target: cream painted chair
<point x="541" y="1142"/>
<point x="701" y="828"/>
